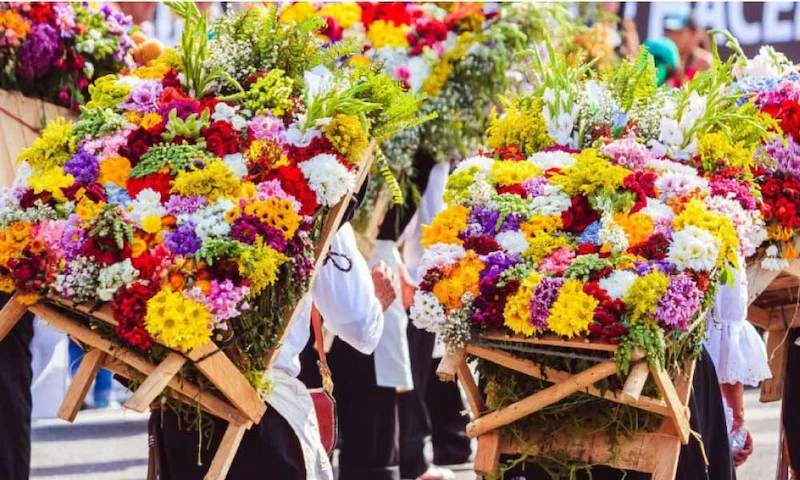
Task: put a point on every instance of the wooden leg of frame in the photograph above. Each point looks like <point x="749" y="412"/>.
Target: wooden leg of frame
<point x="772" y="388"/>
<point x="156" y="382"/>
<point x="678" y="412"/>
<point x="473" y="393"/>
<point x="227" y="451"/>
<point x="487" y="458"/>
<point x="669" y="449"/>
<point x="81" y="382"/>
<point x="11" y="313"/>
<point x="635" y="381"/>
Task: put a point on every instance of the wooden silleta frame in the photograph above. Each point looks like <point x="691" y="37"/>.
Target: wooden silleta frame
<point x="240" y="404"/>
<point x="656" y="452"/>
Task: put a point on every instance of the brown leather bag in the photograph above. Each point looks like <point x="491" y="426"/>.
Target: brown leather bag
<point x="324" y="403"/>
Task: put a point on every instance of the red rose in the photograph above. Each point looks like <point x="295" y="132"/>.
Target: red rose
<point x="587" y="249"/>
<point x="294" y="183"/>
<point x="221" y="138"/>
<point x="138" y="337"/>
<point x="158" y="182"/>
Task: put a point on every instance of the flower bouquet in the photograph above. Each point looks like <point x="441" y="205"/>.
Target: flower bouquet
<point x="184" y="215"/>
<point x="582" y="249"/>
<point x="50" y="52"/>
<point x="457" y="56"/>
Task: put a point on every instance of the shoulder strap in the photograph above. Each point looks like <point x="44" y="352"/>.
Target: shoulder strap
<point x="324" y="371"/>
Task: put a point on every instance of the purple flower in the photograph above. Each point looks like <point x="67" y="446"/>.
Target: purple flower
<point x="74" y="235"/>
<point x="485" y="218"/>
<point x="177" y="205"/>
<point x="680" y="302"/>
<point x="498" y="262"/>
<point x="83" y="166"/>
<point x="535" y="187"/>
<point x="511" y="222"/>
<point x="65" y="18"/>
<point x="183" y="241"/>
<point x="39" y="52"/>
<point x="544" y="295"/>
<point x="728" y="187"/>
<point x="247" y="227"/>
<point x="144" y="97"/>
<point x="183" y="108"/>
<point x="662" y="266"/>
<point x="786" y="157"/>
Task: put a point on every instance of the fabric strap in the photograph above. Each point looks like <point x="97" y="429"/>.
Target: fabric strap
<point x="322" y="363"/>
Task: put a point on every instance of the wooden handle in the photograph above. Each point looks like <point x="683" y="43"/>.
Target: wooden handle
<point x="156" y="382"/>
<point x="10" y="315"/>
<point x="448" y="366"/>
<point x="81" y="382"/>
<point x="226" y="452"/>
<point x="634" y="384"/>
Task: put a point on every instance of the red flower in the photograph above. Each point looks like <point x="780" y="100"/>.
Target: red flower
<point x="137" y="336"/>
<point x="481" y="245"/>
<point x="171" y="79"/>
<point x="786" y="212"/>
<point x="587" y="249"/>
<point x="42" y="12"/>
<point x="29" y="198"/>
<point x="643" y="185"/>
<point x="301" y="154"/>
<point x="221" y="138"/>
<point x="509" y="152"/>
<point x="655" y="247"/>
<point x="129" y="308"/>
<point x="513" y="189"/>
<point x="294" y="183"/>
<point x="139" y="142"/>
<point x="105" y="250"/>
<point x="332" y="29"/>
<point x="151" y="263"/>
<point x="579" y="216"/>
<point x="158" y="182"/>
<point x="396" y="12"/>
<point x="94" y="191"/>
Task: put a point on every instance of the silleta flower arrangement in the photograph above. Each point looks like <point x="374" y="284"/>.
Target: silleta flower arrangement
<point x="192" y="190"/>
<point x="53" y="50"/>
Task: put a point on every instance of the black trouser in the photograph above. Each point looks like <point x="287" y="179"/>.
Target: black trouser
<point x="707" y="418"/>
<point x="367" y="417"/>
<point x="268" y="450"/>
<point x="16" y="376"/>
<point x="432" y="408"/>
<point x="791" y="399"/>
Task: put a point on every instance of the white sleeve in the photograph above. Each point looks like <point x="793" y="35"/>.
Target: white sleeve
<point x="346" y="300"/>
<point x="737" y="350"/>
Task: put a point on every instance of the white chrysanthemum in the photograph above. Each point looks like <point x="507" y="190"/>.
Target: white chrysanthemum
<point x="694" y="248"/>
<point x="427" y="312"/>
<point x="484" y="163"/>
<point x="618" y="283"/>
<point x="210" y="221"/>
<point x="237" y="163"/>
<point x="300" y="138"/>
<point x="512" y="241"/>
<point x="439" y="255"/>
<point x="661" y="166"/>
<point x="113" y="277"/>
<point x="657" y="210"/>
<point x="553" y="202"/>
<point x="329" y="179"/>
<point x="223" y="111"/>
<point x="614" y="235"/>
<point x="147" y="203"/>
<point x="676" y="184"/>
<point x="555" y="159"/>
<point x="480" y="192"/>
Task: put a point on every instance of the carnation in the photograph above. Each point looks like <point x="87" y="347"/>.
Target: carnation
<point x="328" y="178"/>
<point x="513" y="241"/>
<point x="695" y="249"/>
<point x="553" y="159"/>
<point x="677" y="184"/>
<point x="679" y="303"/>
<point x="440" y="255"/>
<point x="618" y="283"/>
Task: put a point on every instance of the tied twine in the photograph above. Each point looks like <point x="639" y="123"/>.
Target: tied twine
<point x="21" y="121"/>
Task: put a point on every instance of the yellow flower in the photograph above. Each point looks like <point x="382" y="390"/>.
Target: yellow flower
<point x="214" y="181"/>
<point x="446" y="226"/>
<point x="28" y="298"/>
<point x="462" y="278"/>
<point x="345" y="14"/>
<point x="260" y="265"/>
<point x="6" y="285"/>
<point x="779" y="233"/>
<point x="134" y="117"/>
<point x="278" y="213"/>
<point x="347" y="136"/>
<point x="178" y="322"/>
<point x="509" y="172"/>
<point x="436" y="81"/>
<point x="543" y="244"/>
<point x="359" y="60"/>
<point x="115" y="170"/>
<point x="517" y="312"/>
<point x="716" y="146"/>
<point x="248" y="190"/>
<point x="573" y="310"/>
<point x="151" y="224"/>
<point x="523" y="126"/>
<point x="53" y="148"/>
<point x="13" y="239"/>
<point x="387" y="34"/>
<point x="589" y="174"/>
<point x="695" y="213"/>
<point x="643" y="295"/>
<point x="88" y="210"/>
<point x="150" y="120"/>
<point x="11" y="20"/>
<point x="51" y="180"/>
<point x="298" y="12"/>
<point x="138" y="247"/>
<point x="150" y="72"/>
<point x="541" y="223"/>
<point x="637" y="226"/>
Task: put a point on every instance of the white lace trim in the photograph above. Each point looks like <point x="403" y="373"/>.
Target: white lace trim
<point x="738" y="352"/>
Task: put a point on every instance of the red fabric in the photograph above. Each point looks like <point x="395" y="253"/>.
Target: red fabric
<point x="324" y="403"/>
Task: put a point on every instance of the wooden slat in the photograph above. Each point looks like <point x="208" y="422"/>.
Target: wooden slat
<point x="487" y="456"/>
<point x="540" y="399"/>
<point x="156" y="382"/>
<point x="227" y="452"/>
<point x="760" y="317"/>
<point x="103" y="312"/>
<point x="220" y="370"/>
<point x="772" y="388"/>
<point x="448" y="366"/>
<point x="669" y="450"/>
<point x="678" y="411"/>
<point x="552" y="375"/>
<point x="551" y="341"/>
<point x="758" y="279"/>
<point x="207" y="400"/>
<point x="10" y="315"/>
<point x="634" y="384"/>
<point x="81" y="382"/>
<point x="471" y="390"/>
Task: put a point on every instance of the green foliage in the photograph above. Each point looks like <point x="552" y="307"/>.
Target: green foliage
<point x="217" y="248"/>
<point x="647" y="336"/>
<point x="636" y="80"/>
<point x="176" y="157"/>
<point x="110" y="224"/>
<point x="189" y="128"/>
<point x="270" y="92"/>
<point x="97" y="122"/>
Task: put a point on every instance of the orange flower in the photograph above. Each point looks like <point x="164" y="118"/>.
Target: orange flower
<point x="115" y="170"/>
<point x="176" y="281"/>
<point x="204" y="286"/>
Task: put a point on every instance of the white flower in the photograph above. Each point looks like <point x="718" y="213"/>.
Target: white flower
<point x="237" y="163"/>
<point x="147" y="203"/>
<point x="113" y="277"/>
<point x="480" y="192"/>
<point x="618" y="283"/>
<point x="671" y="133"/>
<point x="553" y="202"/>
<point x="223" y="111"/>
<point x="662" y="165"/>
<point x="612" y="234"/>
<point x="210" y="221"/>
<point x="427" y="312"/>
<point x="555" y="159"/>
<point x="772" y="251"/>
<point x="439" y="255"/>
<point x="300" y="138"/>
<point x="774" y="264"/>
<point x="694" y="248"/>
<point x="657" y="210"/>
<point x="318" y="81"/>
<point x="484" y="163"/>
<point x="24" y="173"/>
<point x="676" y="184"/>
<point x="512" y="241"/>
<point x="329" y="179"/>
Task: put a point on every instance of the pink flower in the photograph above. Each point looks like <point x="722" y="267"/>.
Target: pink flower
<point x="558" y="261"/>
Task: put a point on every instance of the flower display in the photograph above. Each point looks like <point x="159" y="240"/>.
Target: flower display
<point x="54" y="50"/>
<point x="191" y="198"/>
<point x="594" y="219"/>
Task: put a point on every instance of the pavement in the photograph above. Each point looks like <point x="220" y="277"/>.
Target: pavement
<point x="112" y="445"/>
